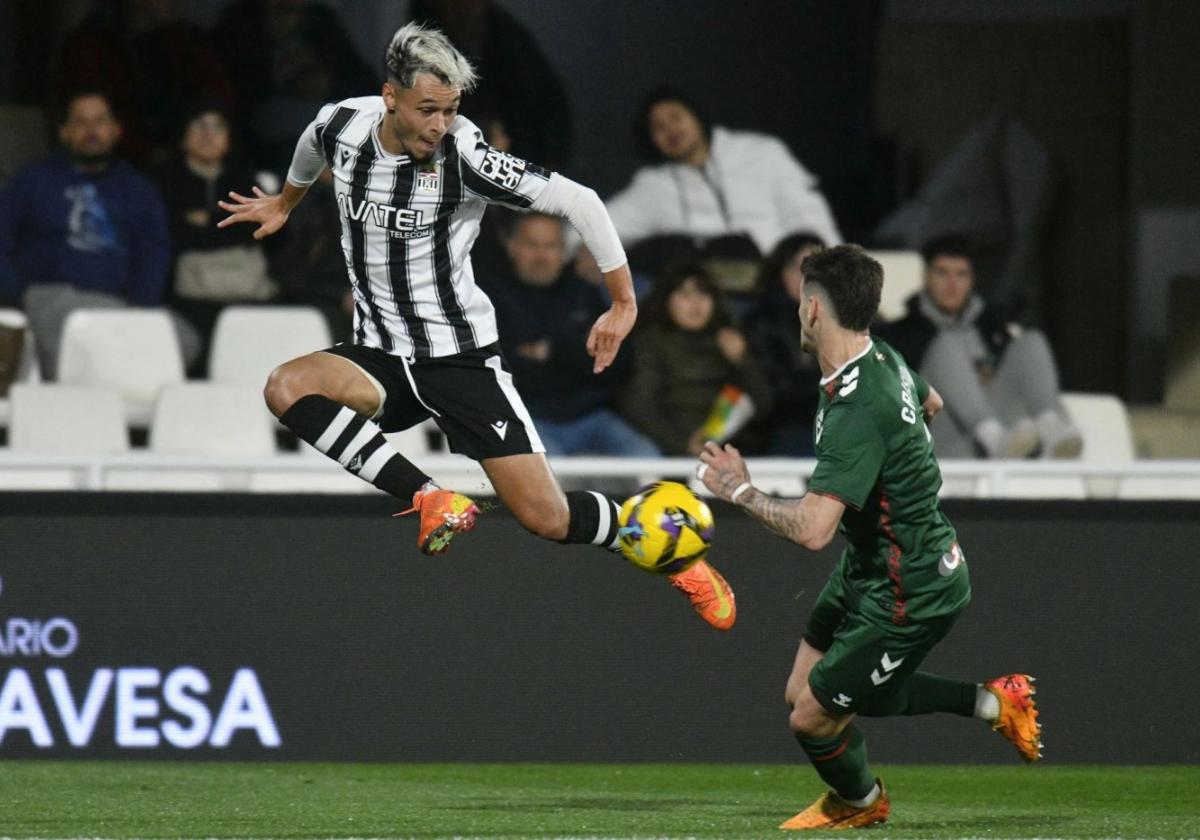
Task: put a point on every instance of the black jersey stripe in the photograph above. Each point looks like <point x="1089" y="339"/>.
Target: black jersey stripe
<point x="331" y="130"/>
<point x="359" y="179"/>
<point x="398" y="269"/>
<point x="443" y="267"/>
<point x="489" y="189"/>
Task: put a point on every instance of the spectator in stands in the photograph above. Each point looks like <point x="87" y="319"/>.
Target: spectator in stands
<point x="694" y="376"/>
<point x="82" y="230"/>
<point x="148" y="61"/>
<point x="212" y="267"/>
<point x="999" y="380"/>
<point x="707" y="182"/>
<point x="774" y="333"/>
<point x="309" y="262"/>
<point x="542" y="309"/>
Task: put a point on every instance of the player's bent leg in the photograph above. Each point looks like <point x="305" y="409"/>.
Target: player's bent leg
<point x="838" y="752"/>
<point x="529" y="489"/>
<point x="327" y="401"/>
<point x="806" y="657"/>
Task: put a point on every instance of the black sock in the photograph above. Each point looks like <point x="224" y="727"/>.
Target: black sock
<point x="593" y="519"/>
<point x="355" y="442"/>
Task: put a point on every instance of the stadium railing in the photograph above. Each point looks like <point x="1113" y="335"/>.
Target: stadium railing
<point x="296" y="473"/>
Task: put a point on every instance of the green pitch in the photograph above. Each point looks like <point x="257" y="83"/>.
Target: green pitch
<point x="194" y="800"/>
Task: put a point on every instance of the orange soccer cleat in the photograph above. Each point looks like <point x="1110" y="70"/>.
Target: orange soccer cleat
<point x="710" y="595"/>
<point x="444" y="513"/>
<point x="1018" y="713"/>
<point x="831" y="813"/>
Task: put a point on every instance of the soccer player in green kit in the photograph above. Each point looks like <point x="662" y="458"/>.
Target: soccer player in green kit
<point x="901" y="581"/>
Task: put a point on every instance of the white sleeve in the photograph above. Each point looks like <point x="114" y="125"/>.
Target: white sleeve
<point x="580" y="206"/>
<point x="309" y="158"/>
<point x="637" y="211"/>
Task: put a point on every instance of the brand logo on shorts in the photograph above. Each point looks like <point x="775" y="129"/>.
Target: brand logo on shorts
<point x="501" y="427"/>
<point x="355" y="463"/>
<point x="843" y="701"/>
<point x="888" y="668"/>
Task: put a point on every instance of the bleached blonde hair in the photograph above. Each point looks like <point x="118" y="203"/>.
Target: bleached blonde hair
<point x="416" y="49"/>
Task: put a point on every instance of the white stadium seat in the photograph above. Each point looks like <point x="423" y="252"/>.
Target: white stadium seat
<point x="1103" y="421"/>
<point x="135" y="351"/>
<point x="202" y="418"/>
<point x="903" y="276"/>
<point x="250" y="341"/>
<point x="67" y="420"/>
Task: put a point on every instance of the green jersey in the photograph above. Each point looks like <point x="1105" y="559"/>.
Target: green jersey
<point x="875" y="455"/>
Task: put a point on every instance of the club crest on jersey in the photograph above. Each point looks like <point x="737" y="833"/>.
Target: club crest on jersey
<point x="428" y="181"/>
<point x="502" y="168"/>
<point x="400" y="222"/>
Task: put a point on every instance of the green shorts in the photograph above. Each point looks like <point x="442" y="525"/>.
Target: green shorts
<point x="865" y="660"/>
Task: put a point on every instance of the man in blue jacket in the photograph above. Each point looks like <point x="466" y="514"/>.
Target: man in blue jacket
<point x="81" y="230"/>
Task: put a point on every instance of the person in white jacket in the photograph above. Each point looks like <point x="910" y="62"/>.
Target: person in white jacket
<point x="710" y="181"/>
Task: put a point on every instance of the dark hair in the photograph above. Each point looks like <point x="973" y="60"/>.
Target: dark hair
<point x="949" y="245"/>
<point x="771" y="268"/>
<point x="851" y="280"/>
<point x="511" y="220"/>
<point x="642" y="141"/>
<point x="657" y="311"/>
<point x="63" y="112"/>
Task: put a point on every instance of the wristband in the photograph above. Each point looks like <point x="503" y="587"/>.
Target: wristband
<point x="739" y="490"/>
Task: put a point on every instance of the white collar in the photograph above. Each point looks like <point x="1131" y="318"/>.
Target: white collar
<point x="847" y="363"/>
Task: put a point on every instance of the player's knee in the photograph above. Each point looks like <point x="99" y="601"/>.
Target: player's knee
<point x="286" y="384"/>
<point x="546" y="521"/>
<point x="809" y="720"/>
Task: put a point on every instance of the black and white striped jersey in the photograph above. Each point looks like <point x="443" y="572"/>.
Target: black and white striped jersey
<point x="408" y="227"/>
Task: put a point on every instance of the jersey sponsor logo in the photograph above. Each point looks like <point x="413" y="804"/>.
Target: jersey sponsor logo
<point x="428" y="181"/>
<point x="401" y="222"/>
<point x="502" y="168"/>
<point x="951" y="560"/>
<point x="843" y="700"/>
<point x="849" y="383"/>
<point x="501" y="427"/>
<point x="908" y="390"/>
<point x="886" y="670"/>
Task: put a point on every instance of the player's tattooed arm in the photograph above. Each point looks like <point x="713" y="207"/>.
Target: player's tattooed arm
<point x="810" y="521"/>
<point x="786" y="517"/>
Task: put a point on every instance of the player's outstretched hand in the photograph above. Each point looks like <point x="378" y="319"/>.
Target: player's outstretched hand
<point x="608" y="332"/>
<point x="268" y="211"/>
<point x="722" y="470"/>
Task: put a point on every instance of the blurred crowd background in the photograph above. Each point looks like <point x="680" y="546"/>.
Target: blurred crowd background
<point x="1039" y="155"/>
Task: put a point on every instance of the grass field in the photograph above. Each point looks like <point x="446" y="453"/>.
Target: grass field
<point x="200" y="800"/>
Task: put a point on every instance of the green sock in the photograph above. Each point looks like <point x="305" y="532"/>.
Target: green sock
<point x="841" y="762"/>
<point x="922" y="694"/>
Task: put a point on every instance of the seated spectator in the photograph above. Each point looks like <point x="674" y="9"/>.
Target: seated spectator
<point x="544" y="312"/>
<point x="213" y="267"/>
<point x="774" y="332"/>
<point x="83" y="230"/>
<point x="309" y="261"/>
<point x="694" y="376"/>
<point x="999" y="381"/>
<point x="707" y="182"/>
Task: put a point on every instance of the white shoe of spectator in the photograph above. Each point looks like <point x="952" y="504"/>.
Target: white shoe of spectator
<point x="1018" y="441"/>
<point x="1059" y="437"/>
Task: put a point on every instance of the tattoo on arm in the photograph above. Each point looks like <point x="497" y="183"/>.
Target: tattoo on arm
<point x="783" y="516"/>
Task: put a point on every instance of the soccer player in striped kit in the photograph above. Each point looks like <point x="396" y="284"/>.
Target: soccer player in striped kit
<point x="902" y="580"/>
<point x="413" y="179"/>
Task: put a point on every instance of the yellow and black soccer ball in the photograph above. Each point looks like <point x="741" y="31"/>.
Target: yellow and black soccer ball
<point x="665" y="528"/>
